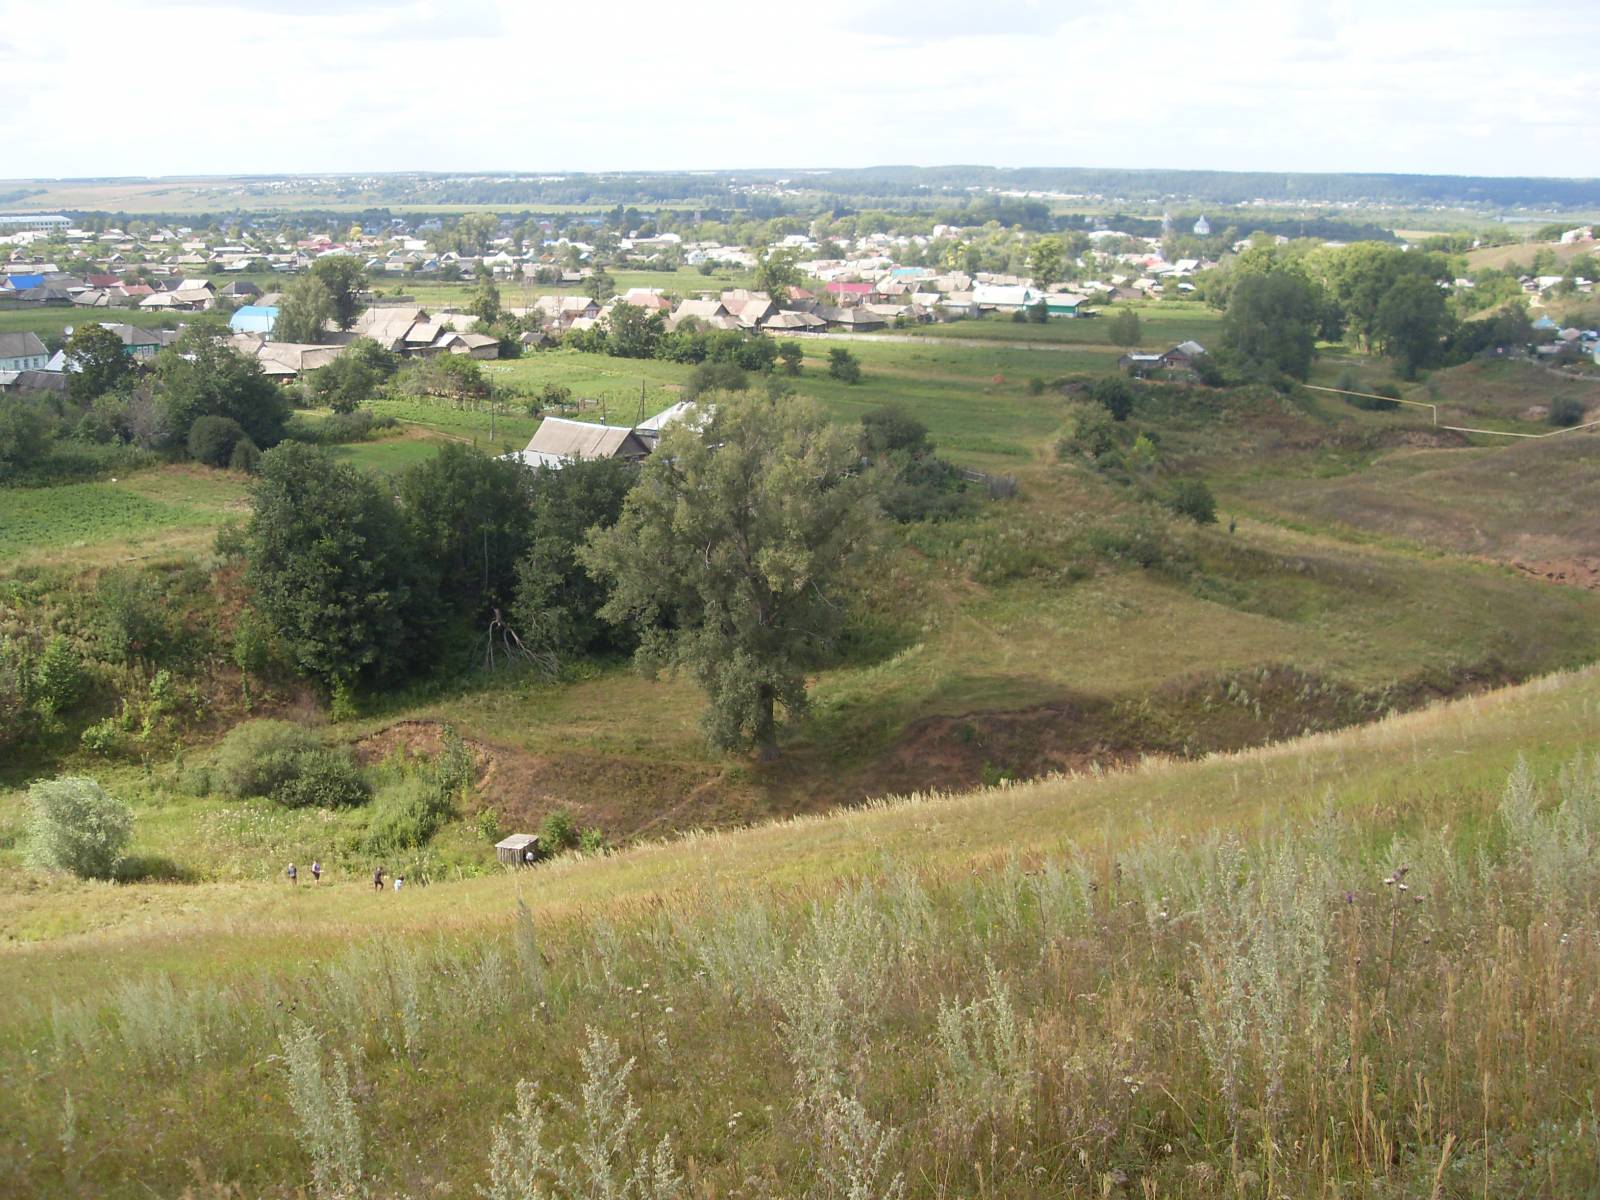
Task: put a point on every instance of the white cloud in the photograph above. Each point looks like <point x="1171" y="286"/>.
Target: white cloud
<point x="119" y="87"/>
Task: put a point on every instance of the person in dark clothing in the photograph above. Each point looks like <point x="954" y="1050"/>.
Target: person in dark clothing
<point x="377" y="880"/>
<point x="294" y="876"/>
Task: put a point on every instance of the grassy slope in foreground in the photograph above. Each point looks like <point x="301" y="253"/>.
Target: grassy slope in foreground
<point x="1046" y="989"/>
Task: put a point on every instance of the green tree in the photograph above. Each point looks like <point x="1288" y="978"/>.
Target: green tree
<point x="345" y="279"/>
<point x="843" y="366"/>
<point x="1412" y="323"/>
<point x="350" y="380"/>
<point x="631" y="332"/>
<point x="101" y="362"/>
<point x="332" y="569"/>
<point x="1271" y="323"/>
<point x="201" y="375"/>
<point x="73" y="825"/>
<point x="1123" y="328"/>
<point x="304" y="311"/>
<point x="601" y="286"/>
<point x="558" y="600"/>
<point x="777" y="272"/>
<point x="1361" y="275"/>
<point x="792" y="355"/>
<point x="485" y="302"/>
<point x="25" y="434"/>
<point x="472" y="513"/>
<point x="730" y="553"/>
<point x="1046" y="261"/>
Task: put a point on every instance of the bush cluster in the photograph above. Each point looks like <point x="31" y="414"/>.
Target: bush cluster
<point x="283" y="761"/>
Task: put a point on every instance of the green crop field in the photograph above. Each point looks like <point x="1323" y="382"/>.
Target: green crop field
<point x="1162" y="324"/>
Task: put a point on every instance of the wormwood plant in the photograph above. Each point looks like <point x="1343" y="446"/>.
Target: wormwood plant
<point x="330" y="1132"/>
<point x="987" y="1053"/>
<point x="602" y="1162"/>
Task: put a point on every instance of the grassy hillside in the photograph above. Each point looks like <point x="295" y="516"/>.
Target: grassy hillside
<point x="1195" y="979"/>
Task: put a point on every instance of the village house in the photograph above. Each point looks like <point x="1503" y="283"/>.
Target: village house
<point x="559" y="440"/>
<point x="22" y="352"/>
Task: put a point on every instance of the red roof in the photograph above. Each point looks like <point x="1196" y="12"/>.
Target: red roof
<point x="103" y="281"/>
<point x="850" y="289"/>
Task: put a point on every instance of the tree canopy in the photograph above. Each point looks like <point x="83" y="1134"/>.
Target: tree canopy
<point x="1271" y="323"/>
<point x="331" y="567"/>
<point x="101" y="362"/>
<point x="729" y="555"/>
<point x="304" y="311"/>
<point x="345" y="278"/>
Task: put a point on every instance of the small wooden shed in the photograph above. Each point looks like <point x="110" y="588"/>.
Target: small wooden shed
<point x="518" y="850"/>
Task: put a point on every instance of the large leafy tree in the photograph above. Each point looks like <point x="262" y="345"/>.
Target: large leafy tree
<point x="333" y="570"/>
<point x="1362" y="275"/>
<point x="632" y="332"/>
<point x="729" y="555"/>
<point x="202" y="376"/>
<point x="345" y="279"/>
<point x="485" y="302"/>
<point x="1412" y="323"/>
<point x="1046" y="260"/>
<point x="776" y="272"/>
<point x="101" y="360"/>
<point x="1271" y="323"/>
<point x="472" y="514"/>
<point x="304" y="311"/>
<point x="558" y="600"/>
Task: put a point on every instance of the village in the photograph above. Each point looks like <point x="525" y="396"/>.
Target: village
<point x="873" y="282"/>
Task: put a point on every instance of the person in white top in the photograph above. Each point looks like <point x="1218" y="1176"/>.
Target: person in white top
<point x="399" y="882"/>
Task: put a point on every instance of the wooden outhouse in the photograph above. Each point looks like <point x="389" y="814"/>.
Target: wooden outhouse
<point x="518" y="850"/>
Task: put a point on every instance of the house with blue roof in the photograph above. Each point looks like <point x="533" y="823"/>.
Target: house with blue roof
<point x="21" y="283"/>
<point x="254" y="318"/>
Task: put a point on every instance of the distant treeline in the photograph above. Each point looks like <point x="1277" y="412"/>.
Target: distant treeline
<point x="767" y="193"/>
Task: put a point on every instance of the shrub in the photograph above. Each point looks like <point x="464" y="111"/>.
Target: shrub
<point x="246" y="457"/>
<point x="406" y="814"/>
<point x="58" y="680"/>
<point x="132" y="619"/>
<point x="843" y="366"/>
<point x="1115" y="393"/>
<point x="73" y="825"/>
<point x="558" y="832"/>
<point x="1088" y="431"/>
<point x="716" y="377"/>
<point x="322" y="778"/>
<point x="1193" y="499"/>
<point x="258" y="756"/>
<point x="212" y="439"/>
<point x="1565" y="411"/>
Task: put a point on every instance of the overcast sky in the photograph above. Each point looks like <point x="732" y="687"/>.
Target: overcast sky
<point x="162" y="87"/>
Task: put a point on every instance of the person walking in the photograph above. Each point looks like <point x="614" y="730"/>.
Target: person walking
<point x="399" y="882"/>
<point x="377" y="880"/>
<point x="294" y="876"/>
<point x="316" y="871"/>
